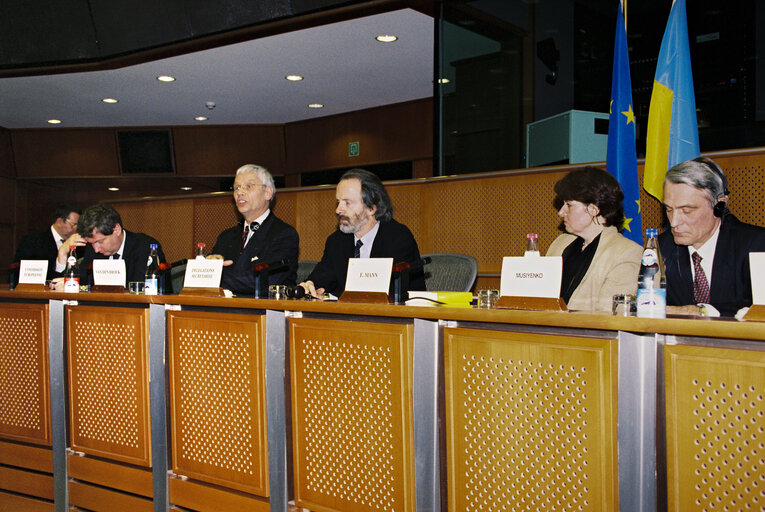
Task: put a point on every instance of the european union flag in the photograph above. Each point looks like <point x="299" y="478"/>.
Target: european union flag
<point x="673" y="134"/>
<point x="621" y="159"/>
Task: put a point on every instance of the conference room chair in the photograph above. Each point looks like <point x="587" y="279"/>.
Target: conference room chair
<point x="448" y="272"/>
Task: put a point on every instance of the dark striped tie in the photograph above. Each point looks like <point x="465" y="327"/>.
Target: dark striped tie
<point x="357" y="249"/>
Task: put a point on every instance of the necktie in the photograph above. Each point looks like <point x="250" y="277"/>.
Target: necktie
<point x="357" y="249"/>
<point x="252" y="226"/>
<point x="116" y="256"/>
<point x="700" y="283"/>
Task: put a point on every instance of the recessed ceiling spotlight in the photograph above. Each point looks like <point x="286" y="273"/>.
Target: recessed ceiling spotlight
<point x="200" y="118"/>
<point x="293" y="78"/>
<point x="443" y="80"/>
<point x="54" y="121"/>
<point x="113" y="189"/>
<point x="315" y="105"/>
<point x="110" y="100"/>
<point x="386" y="38"/>
<point x="166" y="78"/>
<point x="186" y="188"/>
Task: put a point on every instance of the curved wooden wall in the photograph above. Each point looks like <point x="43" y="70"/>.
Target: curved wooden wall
<point x="484" y="215"/>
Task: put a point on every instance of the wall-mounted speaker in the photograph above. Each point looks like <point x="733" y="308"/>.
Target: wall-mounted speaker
<point x="145" y="151"/>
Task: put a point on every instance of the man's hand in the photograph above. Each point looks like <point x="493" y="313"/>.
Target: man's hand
<point x="311" y="290"/>
<point x="73" y="241"/>
<point x="226" y="263"/>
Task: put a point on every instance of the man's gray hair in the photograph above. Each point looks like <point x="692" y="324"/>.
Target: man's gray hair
<point x="698" y="173"/>
<point x="260" y="172"/>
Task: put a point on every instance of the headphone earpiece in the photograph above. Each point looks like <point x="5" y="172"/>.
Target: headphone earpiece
<point x="720" y="209"/>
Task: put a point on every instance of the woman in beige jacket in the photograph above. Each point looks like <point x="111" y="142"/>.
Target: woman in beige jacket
<point x="598" y="262"/>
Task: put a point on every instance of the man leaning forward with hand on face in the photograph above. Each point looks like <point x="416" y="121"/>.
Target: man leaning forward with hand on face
<point x="366" y="229"/>
<point x="260" y="237"/>
<point x="706" y="253"/>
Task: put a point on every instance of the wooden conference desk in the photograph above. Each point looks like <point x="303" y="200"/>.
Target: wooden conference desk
<point x="126" y="402"/>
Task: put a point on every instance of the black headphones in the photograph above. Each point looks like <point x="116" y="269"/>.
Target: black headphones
<point x="721" y="207"/>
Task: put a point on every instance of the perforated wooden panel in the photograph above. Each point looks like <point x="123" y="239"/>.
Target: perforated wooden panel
<point x="24" y="393"/>
<point x="530" y="422"/>
<point x="715" y="401"/>
<point x="161" y="221"/>
<point x="352" y="415"/>
<point x="109" y="382"/>
<point x="315" y="221"/>
<point x="211" y="217"/>
<point x="217" y="392"/>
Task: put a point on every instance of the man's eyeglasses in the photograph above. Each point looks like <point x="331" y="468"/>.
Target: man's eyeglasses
<point x="248" y="187"/>
<point x="73" y="224"/>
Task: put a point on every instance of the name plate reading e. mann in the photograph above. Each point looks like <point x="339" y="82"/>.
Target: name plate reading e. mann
<point x="368" y="274"/>
<point x="531" y="277"/>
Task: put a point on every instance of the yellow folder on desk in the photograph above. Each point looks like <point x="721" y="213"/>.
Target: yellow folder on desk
<point x="451" y="299"/>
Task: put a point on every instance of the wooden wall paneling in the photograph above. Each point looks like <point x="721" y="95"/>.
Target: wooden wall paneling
<point x="36" y="458"/>
<point x="715" y="398"/>
<point x="218" y="399"/>
<point x="107" y="356"/>
<point x="196" y="496"/>
<point x="24" y="374"/>
<point x="746" y="181"/>
<point x="221" y="150"/>
<point x="100" y="499"/>
<point x="352" y="415"/>
<point x="107" y="474"/>
<point x="65" y="152"/>
<point x="164" y="220"/>
<point x="315" y="221"/>
<point x="410" y="208"/>
<point x="403" y="131"/>
<point x="530" y="421"/>
<point x="27" y="482"/>
<point x="7" y="168"/>
<point x="211" y="216"/>
<point x="12" y="502"/>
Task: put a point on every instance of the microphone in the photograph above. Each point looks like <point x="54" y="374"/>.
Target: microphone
<point x="295" y="292"/>
<point x="405" y="265"/>
<point x="266" y="265"/>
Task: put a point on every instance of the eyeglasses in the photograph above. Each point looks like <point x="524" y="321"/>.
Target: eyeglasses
<point x="248" y="187"/>
<point x="73" y="224"/>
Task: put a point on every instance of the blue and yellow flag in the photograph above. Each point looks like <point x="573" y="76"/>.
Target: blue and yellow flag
<point x="673" y="134"/>
<point x="621" y="160"/>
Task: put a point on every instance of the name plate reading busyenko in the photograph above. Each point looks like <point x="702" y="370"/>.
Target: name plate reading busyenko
<point x="369" y="275"/>
<point x="33" y="271"/>
<point x="203" y="273"/>
<point x="109" y="273"/>
<point x="531" y="276"/>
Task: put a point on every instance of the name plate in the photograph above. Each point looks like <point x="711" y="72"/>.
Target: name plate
<point x="369" y="274"/>
<point x="531" y="277"/>
<point x="203" y="273"/>
<point x="33" y="271"/>
<point x="109" y="273"/>
<point x="757" y="273"/>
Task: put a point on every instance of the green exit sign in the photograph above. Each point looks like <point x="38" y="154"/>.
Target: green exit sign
<point x="353" y="149"/>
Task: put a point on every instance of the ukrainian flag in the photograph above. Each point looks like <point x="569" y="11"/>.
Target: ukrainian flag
<point x="621" y="159"/>
<point x="673" y="134"/>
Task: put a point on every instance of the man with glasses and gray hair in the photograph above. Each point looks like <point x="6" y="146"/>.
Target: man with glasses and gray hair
<point x="706" y="251"/>
<point x="260" y="237"/>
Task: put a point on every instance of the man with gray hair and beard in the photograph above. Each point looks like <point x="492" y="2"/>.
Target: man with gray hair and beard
<point x="706" y="252"/>
<point x="366" y="229"/>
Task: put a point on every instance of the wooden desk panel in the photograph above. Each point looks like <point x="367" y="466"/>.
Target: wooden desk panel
<point x="530" y="421"/>
<point x="715" y="428"/>
<point x="352" y="415"/>
<point x="217" y="399"/>
<point x="109" y="382"/>
<point x="24" y="376"/>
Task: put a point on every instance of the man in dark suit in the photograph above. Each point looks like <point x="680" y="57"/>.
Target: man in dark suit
<point x="44" y="245"/>
<point x="706" y="253"/>
<point x="366" y="229"/>
<point x="261" y="238"/>
<point x="100" y="227"/>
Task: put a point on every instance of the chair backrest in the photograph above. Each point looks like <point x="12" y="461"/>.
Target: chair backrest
<point x="450" y="272"/>
<point x="305" y="267"/>
<point x="177" y="273"/>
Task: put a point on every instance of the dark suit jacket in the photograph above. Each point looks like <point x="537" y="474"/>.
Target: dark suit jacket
<point x="39" y="245"/>
<point x="393" y="240"/>
<point x="731" y="287"/>
<point x="136" y="254"/>
<point x="274" y="241"/>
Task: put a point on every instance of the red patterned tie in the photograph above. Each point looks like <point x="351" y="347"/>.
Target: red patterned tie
<point x="700" y="283"/>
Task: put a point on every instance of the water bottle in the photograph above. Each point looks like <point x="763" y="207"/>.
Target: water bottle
<point x="151" y="281"/>
<point x="72" y="272"/>
<point x="652" y="282"/>
<point x="200" y="251"/>
<point x="532" y="245"/>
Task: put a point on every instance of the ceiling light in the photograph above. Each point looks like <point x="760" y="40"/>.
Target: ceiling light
<point x="54" y="121"/>
<point x="200" y="118"/>
<point x="113" y="189"/>
<point x="186" y="188"/>
<point x="443" y="80"/>
<point x="110" y="100"/>
<point x="386" y="38"/>
<point x="294" y="78"/>
<point x="166" y="78"/>
<point x="315" y="105"/>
